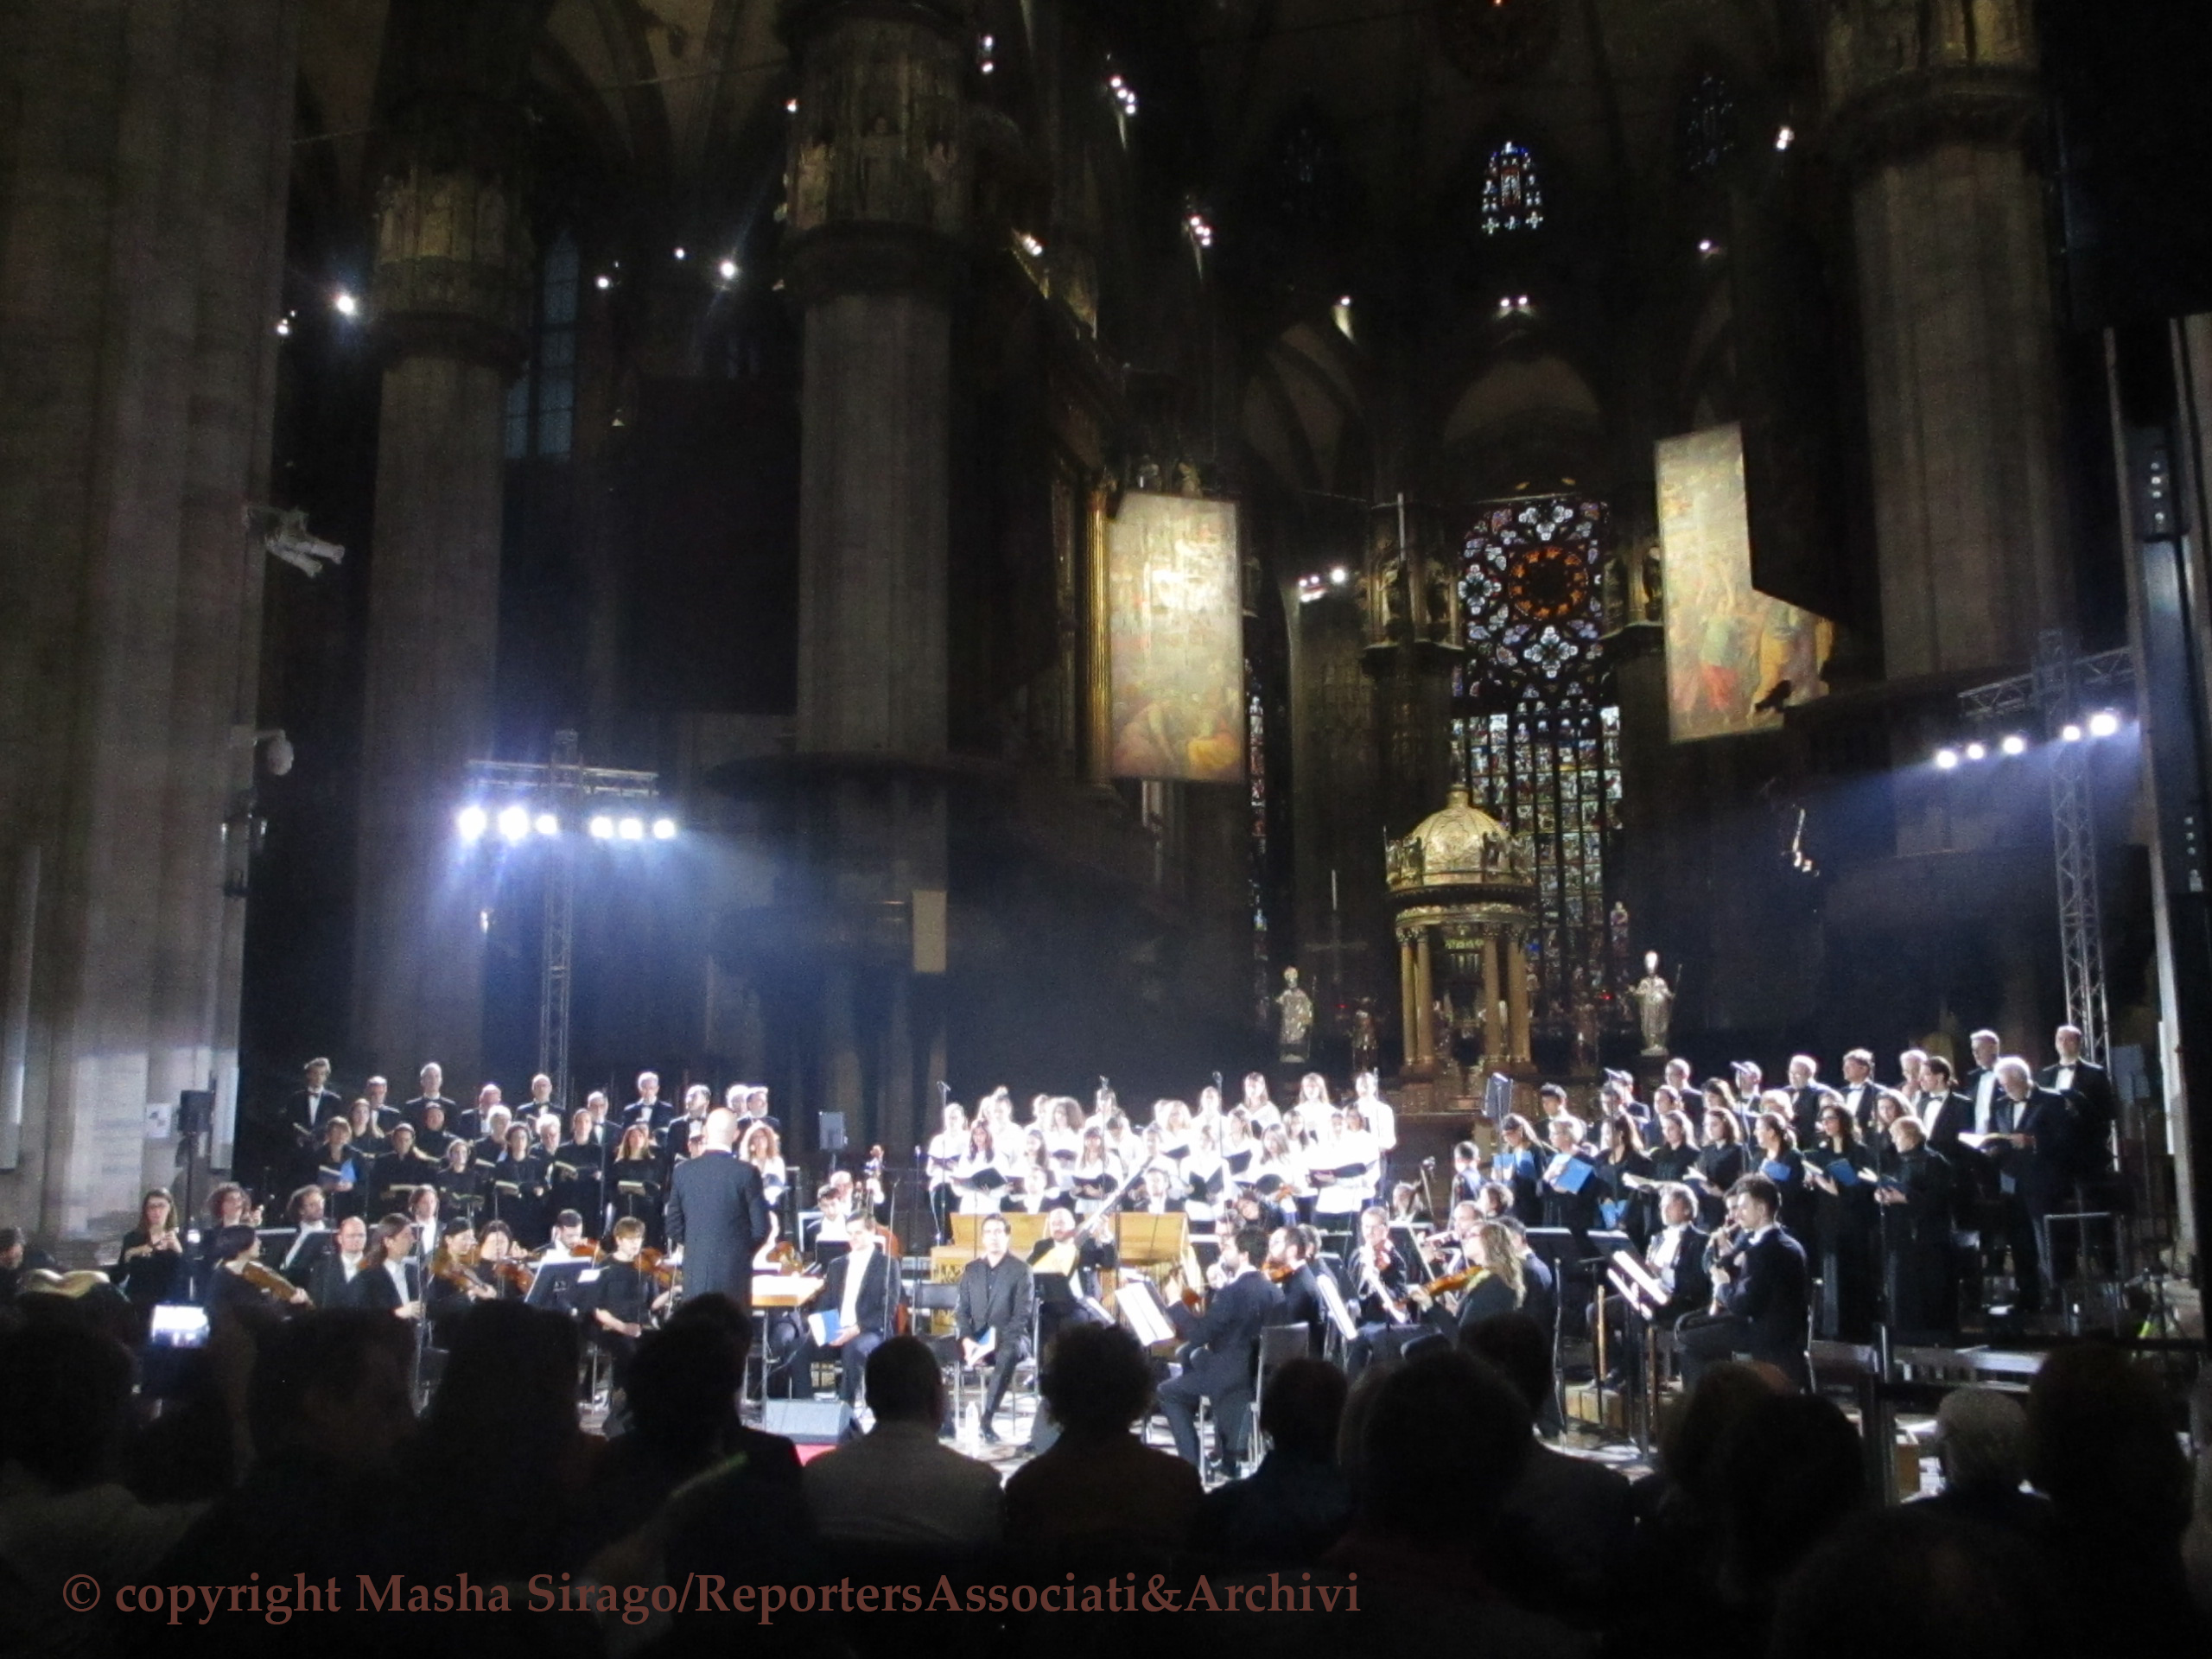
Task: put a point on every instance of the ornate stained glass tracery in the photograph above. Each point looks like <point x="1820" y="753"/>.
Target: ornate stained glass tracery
<point x="1513" y="199"/>
<point x="1537" y="733"/>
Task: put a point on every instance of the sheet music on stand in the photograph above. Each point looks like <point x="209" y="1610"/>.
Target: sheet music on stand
<point x="1332" y="1304"/>
<point x="1497" y="1098"/>
<point x="1635" y="1284"/>
<point x="1140" y="1307"/>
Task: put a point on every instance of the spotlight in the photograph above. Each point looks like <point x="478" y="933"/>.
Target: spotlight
<point x="728" y="270"/>
<point x="663" y="829"/>
<point x="791" y="106"/>
<point x="2014" y="743"/>
<point x="1784" y="138"/>
<point x="631" y="829"/>
<point x="1977" y="751"/>
<point x="602" y="282"/>
<point x="514" y="823"/>
<point x="345" y="304"/>
<point x="1338" y="575"/>
<point x="1947" y="759"/>
<point x="283" y="328"/>
<point x="1705" y="246"/>
<point x="547" y="825"/>
<point x="472" y="821"/>
<point x="601" y="827"/>
<point x="2103" y="723"/>
<point x="679" y="253"/>
<point x="2070" y="733"/>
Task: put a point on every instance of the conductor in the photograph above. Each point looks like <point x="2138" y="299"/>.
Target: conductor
<point x="716" y="1213"/>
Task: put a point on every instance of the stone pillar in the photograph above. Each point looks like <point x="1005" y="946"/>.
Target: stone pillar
<point x="1424" y="999"/>
<point x="1409" y="1004"/>
<point x="450" y="300"/>
<point x="1412" y="647"/>
<point x="148" y="153"/>
<point x="877" y="203"/>
<point x="1496" y="1041"/>
<point x="1933" y="106"/>
<point x="1517" y="997"/>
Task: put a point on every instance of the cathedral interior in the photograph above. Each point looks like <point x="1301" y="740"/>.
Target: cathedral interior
<point x="720" y="414"/>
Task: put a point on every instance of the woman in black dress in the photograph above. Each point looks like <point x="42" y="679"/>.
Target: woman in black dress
<point x="1622" y="1155"/>
<point x="150" y="1270"/>
<point x="1841" y="1168"/>
<point x="633" y="1182"/>
<point x="1777" y="1158"/>
<point x="461" y="1182"/>
<point x="518" y="1184"/>
<point x="1520" y="1166"/>
<point x="1915" y="1204"/>
<point x="1721" y="1160"/>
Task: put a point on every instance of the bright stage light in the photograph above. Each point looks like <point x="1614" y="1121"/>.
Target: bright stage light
<point x="345" y="304"/>
<point x="2070" y="733"/>
<point x="1976" y="752"/>
<point x="663" y="829"/>
<point x="2014" y="743"/>
<point x="514" y="822"/>
<point x="631" y="829"/>
<point x="547" y="825"/>
<point x="2103" y="723"/>
<point x="1946" y="759"/>
<point x="472" y="821"/>
<point x="602" y="827"/>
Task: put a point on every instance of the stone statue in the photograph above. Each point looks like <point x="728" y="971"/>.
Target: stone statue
<point x="1294" y="1010"/>
<point x="1655" y="1005"/>
<point x="1366" y="1041"/>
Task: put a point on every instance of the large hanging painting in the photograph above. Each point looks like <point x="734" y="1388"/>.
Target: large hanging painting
<point x="1176" y="639"/>
<point x="1734" y="656"/>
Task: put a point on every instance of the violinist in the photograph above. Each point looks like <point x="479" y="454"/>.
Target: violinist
<point x="568" y="1243"/>
<point x="228" y="1206"/>
<point x="495" y="1254"/>
<point x="1220" y="1351"/>
<point x="310" y="1236"/>
<point x="620" y="1299"/>
<point x="1379" y="1275"/>
<point x="1291" y="1265"/>
<point x="458" y="1281"/>
<point x="241" y="1284"/>
<point x="1495" y="1285"/>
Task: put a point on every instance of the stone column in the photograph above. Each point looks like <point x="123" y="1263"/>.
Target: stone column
<point x="1517" y="997"/>
<point x="1495" y="1041"/>
<point x="1409" y="1004"/>
<point x="878" y="204"/>
<point x="1933" y="107"/>
<point x="148" y="158"/>
<point x="449" y="299"/>
<point x="1424" y="999"/>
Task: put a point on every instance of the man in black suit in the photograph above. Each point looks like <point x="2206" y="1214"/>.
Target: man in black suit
<point x="716" y="1215"/>
<point x="433" y="1080"/>
<point x="1675" y="1257"/>
<point x="1290" y="1264"/>
<point x="307" y="1111"/>
<point x="382" y="1114"/>
<point x="1807" y="1094"/>
<point x="1759" y="1294"/>
<point x="1979" y="1084"/>
<point x="649" y="1109"/>
<point x="334" y="1270"/>
<point x="1221" y="1351"/>
<point x="2032" y="1146"/>
<point x="1943" y="1112"/>
<point x="1860" y="1091"/>
<point x="1064" y="1267"/>
<point x="861" y="1291"/>
<point x="2096" y="1103"/>
<point x="993" y="1309"/>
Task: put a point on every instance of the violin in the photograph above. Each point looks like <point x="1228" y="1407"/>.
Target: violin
<point x="274" y="1283"/>
<point x="512" y="1273"/>
<point x="655" y="1265"/>
<point x="1280" y="1272"/>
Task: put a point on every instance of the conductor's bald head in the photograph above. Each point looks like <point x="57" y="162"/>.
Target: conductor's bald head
<point x="722" y="1130"/>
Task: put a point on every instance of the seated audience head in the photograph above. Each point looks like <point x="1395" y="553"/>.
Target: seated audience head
<point x="904" y="1385"/>
<point x="1097" y="1380"/>
<point x="682" y="1389"/>
<point x="331" y="1387"/>
<point x="2101" y="1447"/>
<point x="1516" y="1347"/>
<point x="1443" y="1443"/>
<point x="1792" y="1470"/>
<point x="1689" y="1452"/>
<point x="1302" y="1409"/>
<point x="1982" y="1436"/>
<point x="64" y="1400"/>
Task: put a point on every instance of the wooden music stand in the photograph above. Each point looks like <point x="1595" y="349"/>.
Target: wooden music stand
<point x="1151" y="1241"/>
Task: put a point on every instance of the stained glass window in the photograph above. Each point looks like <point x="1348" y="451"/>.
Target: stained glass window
<point x="1512" y="198"/>
<point x="541" y="402"/>
<point x="1707" y="126"/>
<point x="1537" y="732"/>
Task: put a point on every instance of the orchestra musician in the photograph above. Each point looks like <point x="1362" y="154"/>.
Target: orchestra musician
<point x="330" y="1284"/>
<point x="1065" y="1266"/>
<point x="1293" y="1264"/>
<point x="1379" y="1275"/>
<point x="991" y="1315"/>
<point x="391" y="1279"/>
<point x="1220" y="1351"/>
<point x="458" y="1280"/>
<point x="1675" y="1257"/>
<point x="619" y="1300"/>
<point x="238" y="1284"/>
<point x="1760" y="1291"/>
<point x="310" y="1235"/>
<point x="150" y="1269"/>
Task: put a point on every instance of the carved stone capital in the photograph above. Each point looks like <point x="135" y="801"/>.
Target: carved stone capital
<point x="1902" y="76"/>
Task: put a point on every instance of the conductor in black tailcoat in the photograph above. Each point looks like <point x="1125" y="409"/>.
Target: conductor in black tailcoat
<point x="717" y="1215"/>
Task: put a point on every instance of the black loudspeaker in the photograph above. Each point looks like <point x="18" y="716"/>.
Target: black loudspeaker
<point x="808" y="1422"/>
<point x="195" y="1111"/>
